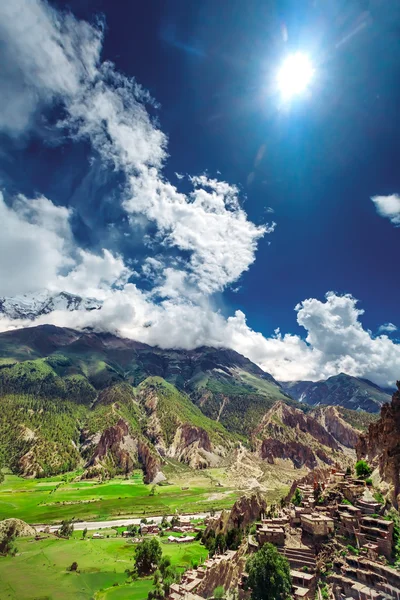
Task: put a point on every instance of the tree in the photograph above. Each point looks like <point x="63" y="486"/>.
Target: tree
<point x="84" y="533"/>
<point x="363" y="469"/>
<point x="220" y="543"/>
<point x="297" y="497"/>
<point x="233" y="538"/>
<point x="7" y="542"/>
<point x="269" y="575"/>
<point x="66" y="529"/>
<point x="147" y="556"/>
<point x="219" y="593"/>
<point x="165" y="562"/>
<point x="317" y="492"/>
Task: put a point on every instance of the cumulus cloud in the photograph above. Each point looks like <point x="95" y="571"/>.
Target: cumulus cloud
<point x="33" y="244"/>
<point x="388" y="207"/>
<point x="209" y="224"/>
<point x="388" y="327"/>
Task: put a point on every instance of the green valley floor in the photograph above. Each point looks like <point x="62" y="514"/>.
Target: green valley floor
<point x="39" y="571"/>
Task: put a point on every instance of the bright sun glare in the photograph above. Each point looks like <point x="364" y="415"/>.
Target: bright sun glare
<point x="295" y="75"/>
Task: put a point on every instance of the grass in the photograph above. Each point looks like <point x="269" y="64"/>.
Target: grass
<point x="39" y="571"/>
<point x="50" y="500"/>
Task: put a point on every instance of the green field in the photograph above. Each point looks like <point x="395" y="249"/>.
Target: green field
<point x="50" y="500"/>
<point x="39" y="571"/>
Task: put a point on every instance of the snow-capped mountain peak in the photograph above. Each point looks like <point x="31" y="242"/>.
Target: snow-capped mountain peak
<point x="30" y="306"/>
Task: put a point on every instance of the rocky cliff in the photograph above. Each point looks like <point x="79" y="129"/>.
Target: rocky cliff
<point x="290" y="434"/>
<point x="246" y="510"/>
<point x="329" y="417"/>
<point x="121" y="450"/>
<point x="380" y="445"/>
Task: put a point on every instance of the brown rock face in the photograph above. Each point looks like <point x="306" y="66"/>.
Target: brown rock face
<point x="282" y="416"/>
<point x="299" y="454"/>
<point x="192" y="445"/>
<point x="149" y="460"/>
<point x="330" y="418"/>
<point x="246" y="510"/>
<point x="112" y="444"/>
<point x="381" y="445"/>
<point x="191" y="434"/>
<point x="118" y="445"/>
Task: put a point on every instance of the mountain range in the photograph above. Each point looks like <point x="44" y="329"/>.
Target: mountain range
<point x="340" y="390"/>
<point x="82" y="399"/>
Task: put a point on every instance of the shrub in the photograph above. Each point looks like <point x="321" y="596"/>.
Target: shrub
<point x="368" y="481"/>
<point x="219" y="593"/>
<point x="363" y="469"/>
<point x="297" y="497"/>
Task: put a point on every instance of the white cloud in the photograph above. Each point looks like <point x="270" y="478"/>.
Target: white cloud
<point x="45" y="55"/>
<point x="109" y="110"/>
<point x="33" y="244"/>
<point x="94" y="275"/>
<point x="388" y="327"/>
<point x="37" y="252"/>
<point x="389" y="207"/>
<point x="209" y="224"/>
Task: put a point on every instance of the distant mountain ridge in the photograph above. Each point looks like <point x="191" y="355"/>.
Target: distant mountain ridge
<point x="340" y="390"/>
<point x="31" y="306"/>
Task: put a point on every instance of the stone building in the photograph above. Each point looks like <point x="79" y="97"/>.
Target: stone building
<point x="378" y="532"/>
<point x="272" y="535"/>
<point x="317" y="525"/>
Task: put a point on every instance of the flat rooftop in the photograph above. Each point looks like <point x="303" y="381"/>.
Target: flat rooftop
<point x="317" y="518"/>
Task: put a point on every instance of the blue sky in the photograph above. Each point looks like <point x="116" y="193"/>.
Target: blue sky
<point x="100" y="188"/>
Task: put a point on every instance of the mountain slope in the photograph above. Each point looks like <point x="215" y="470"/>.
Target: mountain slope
<point x="288" y="433"/>
<point x="381" y="446"/>
<point x="340" y="390"/>
<point x="80" y="399"/>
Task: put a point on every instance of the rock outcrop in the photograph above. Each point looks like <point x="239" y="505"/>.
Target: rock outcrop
<point x="319" y="475"/>
<point x="124" y="450"/>
<point x="381" y="445"/>
<point x="329" y="417"/>
<point x="150" y="463"/>
<point x="15" y="527"/>
<point x="299" y="454"/>
<point x="226" y="573"/>
<point x="192" y="445"/>
<point x="246" y="510"/>
<point x="281" y="416"/>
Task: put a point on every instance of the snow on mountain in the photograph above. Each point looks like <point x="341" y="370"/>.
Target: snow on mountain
<point x="30" y="306"/>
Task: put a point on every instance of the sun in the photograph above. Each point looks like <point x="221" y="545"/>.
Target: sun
<point x="295" y="75"/>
